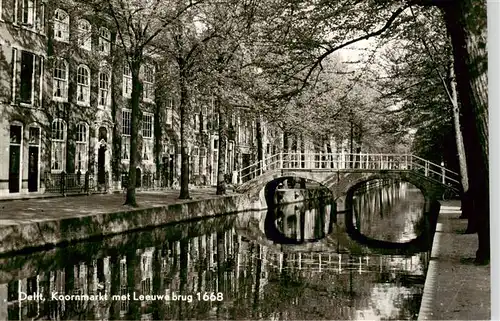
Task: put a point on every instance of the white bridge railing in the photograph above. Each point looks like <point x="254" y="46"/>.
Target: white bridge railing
<point x="342" y="161"/>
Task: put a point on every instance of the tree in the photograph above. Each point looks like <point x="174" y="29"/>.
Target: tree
<point x="137" y="24"/>
<point x="182" y="46"/>
<point x="465" y="23"/>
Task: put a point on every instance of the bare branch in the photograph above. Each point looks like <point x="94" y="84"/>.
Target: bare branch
<point x="389" y="22"/>
<point x="169" y="21"/>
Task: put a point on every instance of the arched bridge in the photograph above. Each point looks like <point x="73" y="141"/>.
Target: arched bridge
<point x="341" y="172"/>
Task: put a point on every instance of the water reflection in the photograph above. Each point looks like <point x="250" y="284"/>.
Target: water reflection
<point x="392" y="212"/>
<point x="299" y="223"/>
<point x="219" y="268"/>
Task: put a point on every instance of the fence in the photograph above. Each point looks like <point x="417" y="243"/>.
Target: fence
<point x="338" y="161"/>
<point x="71" y="183"/>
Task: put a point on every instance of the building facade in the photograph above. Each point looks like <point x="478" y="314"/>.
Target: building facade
<point x="65" y="109"/>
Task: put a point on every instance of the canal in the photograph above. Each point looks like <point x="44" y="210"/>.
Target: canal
<point x="296" y="261"/>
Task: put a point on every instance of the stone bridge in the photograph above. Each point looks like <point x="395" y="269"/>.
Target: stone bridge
<point x="343" y="173"/>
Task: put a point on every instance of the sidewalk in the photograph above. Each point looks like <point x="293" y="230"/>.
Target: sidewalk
<point x="32" y="224"/>
<point x="455" y="288"/>
<point x="13" y="212"/>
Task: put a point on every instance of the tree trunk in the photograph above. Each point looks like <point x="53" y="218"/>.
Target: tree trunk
<point x="260" y="141"/>
<point x="117" y="137"/>
<point x="134" y="132"/>
<point x="466" y="24"/>
<point x="221" y="162"/>
<point x="158" y="139"/>
<point x="466" y="203"/>
<point x="184" y="134"/>
<point x="203" y="145"/>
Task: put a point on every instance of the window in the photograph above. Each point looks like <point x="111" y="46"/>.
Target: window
<point x="104" y="40"/>
<point x="84" y="34"/>
<point x="27" y="77"/>
<point x="204" y="117"/>
<point x="28" y="12"/>
<point x="34" y="136"/>
<point x="170" y="108"/>
<point x="40" y="19"/>
<point x="81" y="133"/>
<point x="104" y="98"/>
<point x="125" y="148"/>
<point x="58" y="145"/>
<point x="148" y="83"/>
<point x="196" y="161"/>
<point x="147" y="126"/>
<point x="61" y="25"/>
<point x="81" y="147"/>
<point x="16" y="134"/>
<point x="60" y="84"/>
<point x="127" y="81"/>
<point x="145" y="149"/>
<point x="83" y="85"/>
<point x="126" y="121"/>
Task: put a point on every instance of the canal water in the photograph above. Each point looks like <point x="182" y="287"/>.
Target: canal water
<point x="294" y="262"/>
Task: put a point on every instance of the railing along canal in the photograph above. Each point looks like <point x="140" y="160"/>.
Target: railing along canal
<point x="348" y="161"/>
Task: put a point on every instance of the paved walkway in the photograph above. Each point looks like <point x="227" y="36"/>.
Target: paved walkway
<point x="455" y="288"/>
<point x="15" y="212"/>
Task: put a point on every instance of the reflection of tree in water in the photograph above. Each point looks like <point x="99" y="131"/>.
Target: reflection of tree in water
<point x="384" y="213"/>
<point x="206" y="256"/>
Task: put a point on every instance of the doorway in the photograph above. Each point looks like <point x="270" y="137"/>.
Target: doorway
<point x="33" y="158"/>
<point x="33" y="169"/>
<point x="137" y="177"/>
<point x="101" y="161"/>
<point x="15" y="158"/>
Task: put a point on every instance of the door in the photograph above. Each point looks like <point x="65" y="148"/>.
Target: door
<point x="14" y="168"/>
<point x="15" y="158"/>
<point x="164" y="171"/>
<point x="101" y="159"/>
<point x="138" y="177"/>
<point x="33" y="169"/>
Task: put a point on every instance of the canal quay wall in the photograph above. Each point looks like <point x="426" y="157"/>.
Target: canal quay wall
<point x="41" y="225"/>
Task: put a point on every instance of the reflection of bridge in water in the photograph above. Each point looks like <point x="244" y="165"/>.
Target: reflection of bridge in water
<point x="341" y="172"/>
<point x="391" y="216"/>
<point x="229" y="254"/>
<point x="203" y="260"/>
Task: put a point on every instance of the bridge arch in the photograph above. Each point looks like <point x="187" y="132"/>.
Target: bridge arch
<point x="256" y="187"/>
<point x="351" y="182"/>
<point x="340" y="172"/>
<point x="341" y="183"/>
